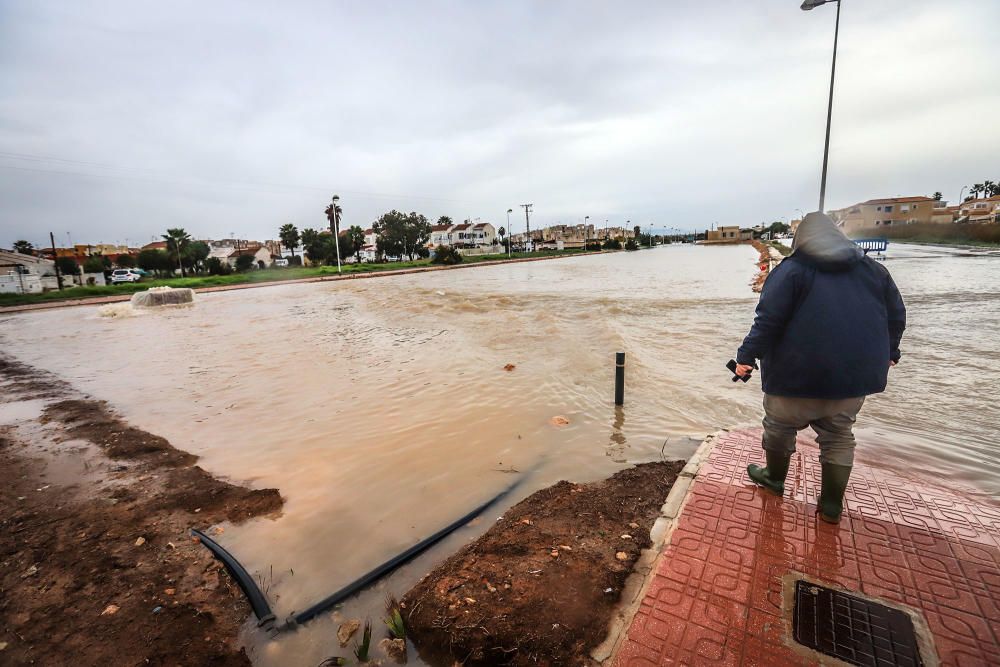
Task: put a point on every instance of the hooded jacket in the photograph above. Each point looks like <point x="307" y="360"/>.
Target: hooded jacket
<point x="829" y="319"/>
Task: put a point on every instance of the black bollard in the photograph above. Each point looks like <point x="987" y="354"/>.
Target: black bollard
<point x="619" y="378"/>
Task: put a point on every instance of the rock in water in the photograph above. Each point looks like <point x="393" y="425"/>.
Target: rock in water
<point x="347" y="630"/>
<point x="163" y="296"/>
<point x="395" y="649"/>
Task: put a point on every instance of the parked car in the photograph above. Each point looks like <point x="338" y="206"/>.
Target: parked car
<point x="281" y="262"/>
<point x="125" y="276"/>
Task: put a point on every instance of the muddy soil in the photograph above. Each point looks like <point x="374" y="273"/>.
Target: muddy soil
<point x="540" y="587"/>
<point x="101" y="570"/>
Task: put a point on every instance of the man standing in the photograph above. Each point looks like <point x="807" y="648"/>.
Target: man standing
<point x="827" y="329"/>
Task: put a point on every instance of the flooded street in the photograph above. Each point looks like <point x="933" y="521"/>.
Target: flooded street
<point x="381" y="409"/>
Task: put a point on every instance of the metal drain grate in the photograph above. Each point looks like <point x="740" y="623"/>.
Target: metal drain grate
<point x="853" y="629"/>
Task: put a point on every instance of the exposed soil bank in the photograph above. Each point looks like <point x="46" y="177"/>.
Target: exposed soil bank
<point x="98" y="567"/>
<point x="540" y="587"/>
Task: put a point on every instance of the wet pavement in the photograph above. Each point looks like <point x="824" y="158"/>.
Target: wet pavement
<point x="720" y="590"/>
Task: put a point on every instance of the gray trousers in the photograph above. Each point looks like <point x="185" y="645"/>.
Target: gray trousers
<point x="833" y="421"/>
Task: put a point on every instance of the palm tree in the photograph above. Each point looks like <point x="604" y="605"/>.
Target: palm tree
<point x="23" y="247"/>
<point x="177" y="240"/>
<point x="989" y="188"/>
<point x="976" y="189"/>
<point x="333" y="212"/>
<point x="289" y="235"/>
<point x="937" y="196"/>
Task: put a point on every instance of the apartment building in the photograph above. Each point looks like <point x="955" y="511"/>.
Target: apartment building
<point x="884" y="212"/>
<point x="980" y="210"/>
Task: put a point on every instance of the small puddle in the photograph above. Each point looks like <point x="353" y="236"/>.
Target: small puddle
<point x="21" y="411"/>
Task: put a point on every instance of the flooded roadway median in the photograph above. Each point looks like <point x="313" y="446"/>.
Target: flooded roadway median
<point x="381" y="409"/>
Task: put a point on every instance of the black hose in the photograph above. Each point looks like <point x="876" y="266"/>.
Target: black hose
<point x="262" y="610"/>
<point x="388" y="566"/>
<point x="257" y="600"/>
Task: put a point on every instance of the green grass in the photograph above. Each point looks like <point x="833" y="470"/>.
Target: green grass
<point x="266" y="275"/>
<point x="782" y="248"/>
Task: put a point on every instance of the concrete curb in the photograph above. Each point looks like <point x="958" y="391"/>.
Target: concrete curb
<point x="635" y="587"/>
<point x="99" y="300"/>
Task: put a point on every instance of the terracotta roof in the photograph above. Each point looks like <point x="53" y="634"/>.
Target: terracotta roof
<point x="461" y="228"/>
<point x="970" y="202"/>
<point x="894" y="200"/>
<point x="481" y="225"/>
<point x="440" y="228"/>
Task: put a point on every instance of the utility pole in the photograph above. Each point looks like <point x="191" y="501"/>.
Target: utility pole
<point x="527" y="223"/>
<point x="52" y="238"/>
<point x="509" y="243"/>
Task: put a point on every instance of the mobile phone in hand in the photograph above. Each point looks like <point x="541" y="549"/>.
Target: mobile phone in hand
<point x="731" y="365"/>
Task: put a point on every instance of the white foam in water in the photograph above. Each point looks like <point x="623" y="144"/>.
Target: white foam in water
<point x="163" y="296"/>
<point x="117" y="310"/>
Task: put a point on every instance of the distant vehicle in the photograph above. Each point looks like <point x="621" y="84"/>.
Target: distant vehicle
<point x="125" y="276"/>
<point x="281" y="262"/>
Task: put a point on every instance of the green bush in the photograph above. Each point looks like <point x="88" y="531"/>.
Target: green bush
<point x="446" y="254"/>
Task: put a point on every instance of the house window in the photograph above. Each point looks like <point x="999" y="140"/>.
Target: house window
<point x="888" y="209"/>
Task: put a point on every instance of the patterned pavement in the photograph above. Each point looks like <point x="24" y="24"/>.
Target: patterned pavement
<point x="716" y="597"/>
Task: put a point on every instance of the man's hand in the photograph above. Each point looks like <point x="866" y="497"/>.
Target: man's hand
<point x="891" y="363"/>
<point x="743" y="369"/>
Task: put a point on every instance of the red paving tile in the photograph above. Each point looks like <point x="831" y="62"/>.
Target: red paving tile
<point x="716" y="597"/>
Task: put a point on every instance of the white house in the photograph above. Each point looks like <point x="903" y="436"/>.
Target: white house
<point x="26" y="274"/>
<point x="465" y="235"/>
<point x="261" y="256"/>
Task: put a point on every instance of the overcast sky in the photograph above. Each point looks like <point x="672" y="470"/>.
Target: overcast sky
<point x="120" y="119"/>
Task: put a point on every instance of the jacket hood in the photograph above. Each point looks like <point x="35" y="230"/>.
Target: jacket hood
<point x="819" y="240"/>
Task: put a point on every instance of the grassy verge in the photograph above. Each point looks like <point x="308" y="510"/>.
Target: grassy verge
<point x="266" y="275"/>
<point x="986" y="235"/>
<point x="782" y="248"/>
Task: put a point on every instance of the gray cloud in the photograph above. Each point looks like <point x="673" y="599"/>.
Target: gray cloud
<point x="120" y="119"/>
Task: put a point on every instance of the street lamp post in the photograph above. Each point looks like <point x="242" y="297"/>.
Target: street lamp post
<point x="586" y="220"/>
<point x="808" y="5"/>
<point x="961" y="193"/>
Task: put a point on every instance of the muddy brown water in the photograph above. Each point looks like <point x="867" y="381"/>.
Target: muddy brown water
<point x="381" y="410"/>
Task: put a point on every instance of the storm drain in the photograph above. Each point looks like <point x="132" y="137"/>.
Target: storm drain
<point x="852" y="629"/>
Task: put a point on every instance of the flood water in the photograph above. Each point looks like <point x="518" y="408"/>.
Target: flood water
<point x="382" y="411"/>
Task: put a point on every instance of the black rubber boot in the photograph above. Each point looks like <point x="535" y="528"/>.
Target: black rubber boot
<point x="773" y="476"/>
<point x="830" y="505"/>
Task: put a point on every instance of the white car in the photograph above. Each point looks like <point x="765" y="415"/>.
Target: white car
<point x="125" y="276"/>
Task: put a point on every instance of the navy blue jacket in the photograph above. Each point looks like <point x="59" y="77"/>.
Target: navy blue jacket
<point x="826" y="328"/>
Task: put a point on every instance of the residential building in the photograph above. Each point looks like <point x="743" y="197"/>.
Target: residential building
<point x="465" y="235"/>
<point x="730" y="233"/>
<point x="261" y="255"/>
<point x="884" y="212"/>
<point x="26" y="274"/>
<point x="980" y="210"/>
<point x="944" y="214"/>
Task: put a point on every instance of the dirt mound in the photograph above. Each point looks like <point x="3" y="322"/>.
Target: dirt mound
<point x="540" y="587"/>
<point x="104" y="572"/>
<point x="93" y="421"/>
